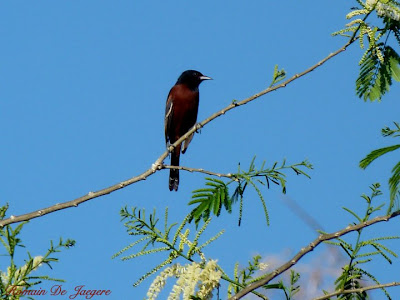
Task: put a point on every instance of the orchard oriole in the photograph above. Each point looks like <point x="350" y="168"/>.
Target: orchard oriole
<point x="181" y="115"/>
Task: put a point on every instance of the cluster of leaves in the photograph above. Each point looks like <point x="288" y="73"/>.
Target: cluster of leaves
<point x="177" y="245"/>
<point x="278" y="75"/>
<point x="293" y="288"/>
<point x="216" y="195"/>
<point x="247" y="276"/>
<point x="17" y="279"/>
<point x="380" y="62"/>
<point x="155" y="240"/>
<point x="394" y="180"/>
<point x="362" y="252"/>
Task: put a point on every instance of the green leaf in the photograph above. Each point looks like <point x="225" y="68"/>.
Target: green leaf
<point x="376" y="154"/>
<point x="375" y="77"/>
<point x="210" y="200"/>
<point x="394" y="65"/>
<point x="394" y="185"/>
<point x="353" y="213"/>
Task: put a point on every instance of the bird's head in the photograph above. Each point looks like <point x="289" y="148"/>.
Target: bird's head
<point x="192" y="78"/>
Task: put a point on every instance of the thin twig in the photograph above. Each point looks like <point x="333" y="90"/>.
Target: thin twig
<point x="310" y="247"/>
<point x="359" y="290"/>
<point x="197" y="171"/>
<point x="157" y="165"/>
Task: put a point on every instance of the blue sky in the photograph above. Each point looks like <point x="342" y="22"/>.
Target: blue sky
<point x="83" y="90"/>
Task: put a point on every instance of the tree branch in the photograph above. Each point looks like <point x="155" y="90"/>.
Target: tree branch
<point x="310" y="247"/>
<point x="359" y="290"/>
<point x="157" y="165"/>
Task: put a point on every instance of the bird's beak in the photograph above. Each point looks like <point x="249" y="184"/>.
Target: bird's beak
<point x="205" y="78"/>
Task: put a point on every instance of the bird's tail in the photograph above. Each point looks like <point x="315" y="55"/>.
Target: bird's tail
<point x="173" y="173"/>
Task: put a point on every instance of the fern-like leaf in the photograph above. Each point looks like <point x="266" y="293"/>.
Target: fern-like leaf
<point x="376" y="154"/>
<point x="379" y="64"/>
<point x="210" y="200"/>
<point x="394" y="185"/>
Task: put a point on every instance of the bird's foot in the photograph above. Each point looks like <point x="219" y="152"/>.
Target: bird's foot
<point x="170" y="148"/>
<point x="198" y="127"/>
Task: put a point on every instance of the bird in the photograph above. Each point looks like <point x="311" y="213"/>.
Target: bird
<point x="181" y="115"/>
